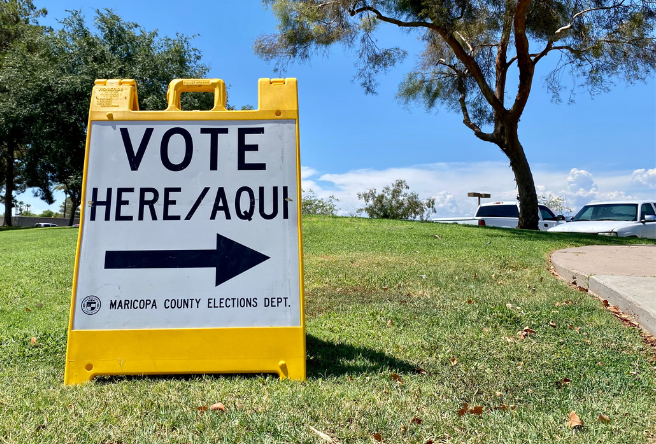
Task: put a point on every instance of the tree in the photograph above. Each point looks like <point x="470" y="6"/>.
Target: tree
<point x="394" y="202"/>
<point x="18" y="28"/>
<point x="555" y="203"/>
<point x="48" y="213"/>
<point x="57" y="80"/>
<point x="471" y="48"/>
<point x="311" y="204"/>
<point x="67" y="207"/>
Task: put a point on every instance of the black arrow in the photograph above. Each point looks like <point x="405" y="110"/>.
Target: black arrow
<point x="230" y="259"/>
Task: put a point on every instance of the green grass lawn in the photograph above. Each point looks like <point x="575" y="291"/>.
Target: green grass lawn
<point x="384" y="298"/>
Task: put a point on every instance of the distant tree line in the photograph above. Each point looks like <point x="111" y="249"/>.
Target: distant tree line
<point x="46" y="78"/>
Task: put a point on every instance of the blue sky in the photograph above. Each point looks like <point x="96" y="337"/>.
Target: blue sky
<point x="600" y="148"/>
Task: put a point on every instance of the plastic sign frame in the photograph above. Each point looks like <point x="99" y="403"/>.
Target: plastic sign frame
<point x="278" y="346"/>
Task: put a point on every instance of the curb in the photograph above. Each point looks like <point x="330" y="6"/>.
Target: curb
<point x="628" y="293"/>
<point x="623" y="292"/>
<point x="573" y="277"/>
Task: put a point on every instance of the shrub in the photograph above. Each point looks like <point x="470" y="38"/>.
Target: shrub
<point x="311" y="204"/>
<point x="395" y="202"/>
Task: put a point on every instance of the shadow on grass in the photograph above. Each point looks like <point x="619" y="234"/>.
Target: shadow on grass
<point x="324" y="359"/>
<point x="14" y="228"/>
<point x="330" y="359"/>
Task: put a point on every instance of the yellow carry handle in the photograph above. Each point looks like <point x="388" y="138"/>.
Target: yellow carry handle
<point x="178" y="86"/>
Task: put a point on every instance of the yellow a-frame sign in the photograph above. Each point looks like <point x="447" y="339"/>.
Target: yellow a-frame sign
<point x="189" y="258"/>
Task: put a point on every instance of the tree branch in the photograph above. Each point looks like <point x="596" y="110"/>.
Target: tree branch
<point x="471" y="50"/>
<point x="453" y="43"/>
<point x="502" y="49"/>
<point x="578" y="14"/>
<point x="524" y="62"/>
<point x="452" y="67"/>
<point x="394" y="21"/>
<point x="487" y="137"/>
<point x="550" y="47"/>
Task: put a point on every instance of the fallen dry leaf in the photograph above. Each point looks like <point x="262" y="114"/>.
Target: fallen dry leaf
<point x="469" y="301"/>
<point x="603" y="418"/>
<point x="499" y="394"/>
<point x="218" y="406"/>
<point x="403" y="429"/>
<point x="500" y="282"/>
<point x="464" y="409"/>
<point x="386" y="288"/>
<point x="415" y="420"/>
<point x="454" y="361"/>
<point x="574" y="420"/>
<point x="605" y="302"/>
<point x="563" y="382"/>
<point x="526" y="332"/>
<point x="378" y="437"/>
<point x="397" y="378"/>
<point x="613" y="309"/>
<point x="600" y="363"/>
<point x="478" y="410"/>
<point x="322" y="435"/>
<point x="202" y="408"/>
<point x="390" y="323"/>
<point x="33" y="340"/>
<point x="430" y="441"/>
<point x="577" y="329"/>
<point x="509" y="305"/>
<point x="552" y="324"/>
<point x="421" y="371"/>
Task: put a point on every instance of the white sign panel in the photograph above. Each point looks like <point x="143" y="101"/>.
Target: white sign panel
<point x="189" y="224"/>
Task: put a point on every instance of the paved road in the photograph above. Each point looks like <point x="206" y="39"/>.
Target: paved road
<point x="624" y="275"/>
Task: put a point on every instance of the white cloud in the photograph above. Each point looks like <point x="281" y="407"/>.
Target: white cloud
<point x="445" y="204"/>
<point x="307" y="172"/>
<point x="646" y="178"/>
<point x="580" y="182"/>
<point x="449" y="184"/>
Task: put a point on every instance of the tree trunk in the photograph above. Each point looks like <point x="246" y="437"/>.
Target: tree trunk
<point x="9" y="182"/>
<point x="65" y="201"/>
<point x="75" y="202"/>
<point x="528" y="199"/>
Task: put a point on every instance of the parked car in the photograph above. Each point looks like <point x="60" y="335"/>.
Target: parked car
<point x="44" y="225"/>
<point x="631" y="218"/>
<point x="503" y="214"/>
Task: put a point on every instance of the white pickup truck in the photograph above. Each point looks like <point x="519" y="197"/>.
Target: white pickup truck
<point x="629" y="218"/>
<point x="503" y="214"/>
